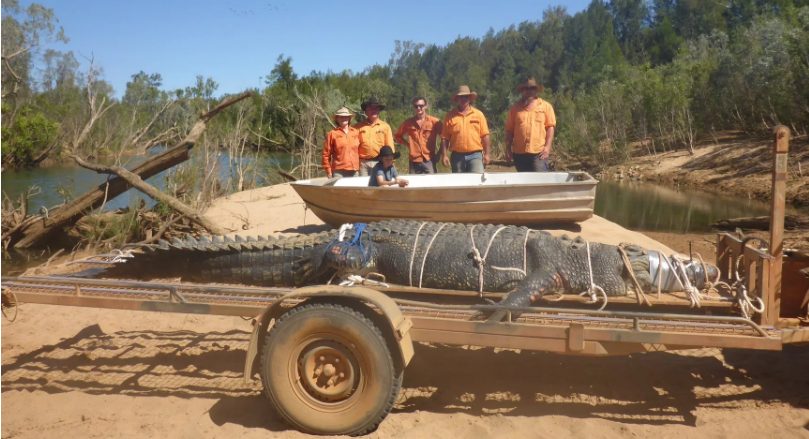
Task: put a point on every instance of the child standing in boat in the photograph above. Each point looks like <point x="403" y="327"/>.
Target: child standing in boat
<point x="384" y="173"/>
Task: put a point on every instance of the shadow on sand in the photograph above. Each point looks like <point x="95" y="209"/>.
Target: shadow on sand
<point x="655" y="388"/>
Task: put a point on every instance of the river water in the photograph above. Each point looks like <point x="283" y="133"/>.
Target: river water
<point x="634" y="205"/>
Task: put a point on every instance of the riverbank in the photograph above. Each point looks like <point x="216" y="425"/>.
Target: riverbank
<point x="730" y="163"/>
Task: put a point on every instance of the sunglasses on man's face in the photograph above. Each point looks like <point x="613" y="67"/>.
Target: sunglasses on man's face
<point x="419" y="105"/>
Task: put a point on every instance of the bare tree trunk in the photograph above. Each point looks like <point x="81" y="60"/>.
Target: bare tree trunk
<point x="96" y="111"/>
<point x="39" y="230"/>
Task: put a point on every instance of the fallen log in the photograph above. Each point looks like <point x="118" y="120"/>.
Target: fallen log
<point x="287" y="176"/>
<point x="791" y="222"/>
<point x="135" y="181"/>
<point x="42" y="228"/>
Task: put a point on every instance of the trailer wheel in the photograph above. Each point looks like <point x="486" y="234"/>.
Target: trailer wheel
<point x="327" y="370"/>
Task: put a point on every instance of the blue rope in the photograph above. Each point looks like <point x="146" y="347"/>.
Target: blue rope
<point x="359" y="230"/>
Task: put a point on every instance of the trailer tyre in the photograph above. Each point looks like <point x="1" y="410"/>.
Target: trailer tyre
<point x="328" y="370"/>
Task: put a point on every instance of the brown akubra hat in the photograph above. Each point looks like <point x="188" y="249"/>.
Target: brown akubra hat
<point x="530" y="83"/>
<point x="464" y="91"/>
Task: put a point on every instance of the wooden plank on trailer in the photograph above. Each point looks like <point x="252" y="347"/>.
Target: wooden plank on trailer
<point x="723" y="255"/>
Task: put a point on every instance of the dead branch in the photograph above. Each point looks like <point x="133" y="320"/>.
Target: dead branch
<point x="138" y="135"/>
<point x="160" y="138"/>
<point x="287" y="176"/>
<point x="791" y="222"/>
<point x="163" y="229"/>
<point x="47" y="152"/>
<point x="273" y="142"/>
<point x="138" y="183"/>
<point x="53" y="256"/>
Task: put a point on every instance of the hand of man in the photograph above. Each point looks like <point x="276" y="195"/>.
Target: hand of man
<point x="330" y="175"/>
<point x="402" y="182"/>
<point x="544" y="154"/>
<point x="486" y="159"/>
<point x="445" y="160"/>
<point x="509" y="156"/>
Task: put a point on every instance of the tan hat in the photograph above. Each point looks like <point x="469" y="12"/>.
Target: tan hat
<point x="464" y="91"/>
<point x="530" y="83"/>
<point x="343" y="112"/>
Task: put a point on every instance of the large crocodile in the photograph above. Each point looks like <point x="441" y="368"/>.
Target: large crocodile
<point x="528" y="264"/>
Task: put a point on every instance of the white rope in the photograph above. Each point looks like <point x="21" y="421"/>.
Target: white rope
<point x="525" y="252"/>
<point x="349" y="280"/>
<point x="427" y="252"/>
<point x="481" y="261"/>
<point x="743" y="297"/>
<point x="693" y="293"/>
<point x="122" y="255"/>
<point x="342" y="233"/>
<point x="594" y="289"/>
<point x="413" y="255"/>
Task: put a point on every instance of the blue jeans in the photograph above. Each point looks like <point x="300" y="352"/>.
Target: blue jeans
<point x="423" y="167"/>
<point x="467" y="162"/>
<point x="530" y="163"/>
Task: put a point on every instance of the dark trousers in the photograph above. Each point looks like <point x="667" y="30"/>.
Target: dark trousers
<point x="530" y="163"/>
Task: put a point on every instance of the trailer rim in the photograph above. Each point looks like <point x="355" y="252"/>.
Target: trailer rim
<point x="293" y="348"/>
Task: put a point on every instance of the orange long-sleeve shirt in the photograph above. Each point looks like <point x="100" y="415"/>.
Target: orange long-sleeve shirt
<point x="530" y="126"/>
<point x="341" y="152"/>
<point x="421" y="139"/>
<point x="465" y="132"/>
<point x="373" y="137"/>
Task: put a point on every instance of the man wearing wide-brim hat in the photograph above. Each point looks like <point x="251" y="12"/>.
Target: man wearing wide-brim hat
<point x="530" y="127"/>
<point x="341" y="152"/>
<point x="374" y="134"/>
<point x="465" y="134"/>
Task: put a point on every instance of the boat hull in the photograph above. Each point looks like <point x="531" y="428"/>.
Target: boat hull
<point x="503" y="198"/>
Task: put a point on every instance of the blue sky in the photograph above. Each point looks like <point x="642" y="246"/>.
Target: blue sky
<point x="237" y="42"/>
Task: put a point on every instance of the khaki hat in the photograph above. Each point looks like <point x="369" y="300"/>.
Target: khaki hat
<point x="464" y="91"/>
<point x="343" y="112"/>
<point x="530" y="83"/>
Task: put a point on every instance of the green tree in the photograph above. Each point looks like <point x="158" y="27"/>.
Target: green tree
<point x="23" y="32"/>
<point x="590" y="46"/>
<point x="629" y="19"/>
<point x="29" y="135"/>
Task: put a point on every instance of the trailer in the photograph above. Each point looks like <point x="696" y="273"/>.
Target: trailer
<point x="332" y="358"/>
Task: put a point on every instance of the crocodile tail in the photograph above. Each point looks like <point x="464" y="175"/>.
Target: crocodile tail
<point x="262" y="261"/>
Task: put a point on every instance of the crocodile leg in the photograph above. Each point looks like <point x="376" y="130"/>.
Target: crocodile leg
<point x="531" y="288"/>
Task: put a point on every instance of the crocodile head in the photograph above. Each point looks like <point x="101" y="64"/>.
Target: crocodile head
<point x="696" y="274"/>
<point x="345" y="257"/>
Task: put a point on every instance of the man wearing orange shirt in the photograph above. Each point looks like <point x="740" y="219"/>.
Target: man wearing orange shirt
<point x="374" y="134"/>
<point x="340" y="154"/>
<point x="530" y="126"/>
<point x="466" y="134"/>
<point x="422" y="131"/>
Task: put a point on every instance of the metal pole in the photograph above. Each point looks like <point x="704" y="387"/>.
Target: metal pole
<point x="779" y="187"/>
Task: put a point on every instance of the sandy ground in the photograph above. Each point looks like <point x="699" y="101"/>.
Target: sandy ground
<point x="75" y="372"/>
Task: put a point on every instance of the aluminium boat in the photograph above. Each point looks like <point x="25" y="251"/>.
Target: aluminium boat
<point x="524" y="198"/>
